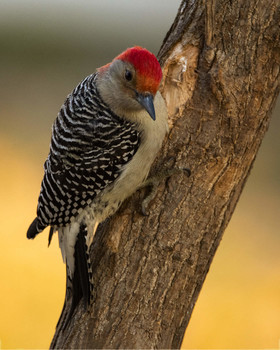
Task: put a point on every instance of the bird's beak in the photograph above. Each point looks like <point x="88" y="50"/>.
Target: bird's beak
<point x="147" y="101"/>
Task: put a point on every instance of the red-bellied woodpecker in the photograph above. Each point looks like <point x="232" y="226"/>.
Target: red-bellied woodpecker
<point x="104" y="140"/>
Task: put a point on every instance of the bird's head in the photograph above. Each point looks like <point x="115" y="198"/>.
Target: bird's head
<point x="130" y="82"/>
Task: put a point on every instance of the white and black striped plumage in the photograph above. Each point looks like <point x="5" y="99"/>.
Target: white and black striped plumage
<point x="89" y="147"/>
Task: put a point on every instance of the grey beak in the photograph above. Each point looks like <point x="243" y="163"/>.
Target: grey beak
<point x="147" y="101"/>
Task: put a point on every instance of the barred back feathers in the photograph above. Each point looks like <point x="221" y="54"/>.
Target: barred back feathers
<point x="89" y="147"/>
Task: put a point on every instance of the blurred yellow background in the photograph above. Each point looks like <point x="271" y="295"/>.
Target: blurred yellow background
<point x="46" y="48"/>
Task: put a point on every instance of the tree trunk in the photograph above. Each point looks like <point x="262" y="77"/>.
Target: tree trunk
<point x="220" y="64"/>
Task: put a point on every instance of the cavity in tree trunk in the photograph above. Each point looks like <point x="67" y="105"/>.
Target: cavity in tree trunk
<point x="220" y="63"/>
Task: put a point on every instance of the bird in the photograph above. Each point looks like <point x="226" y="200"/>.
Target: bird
<point x="104" y="141"/>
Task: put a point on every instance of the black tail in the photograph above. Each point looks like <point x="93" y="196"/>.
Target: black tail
<point x="81" y="281"/>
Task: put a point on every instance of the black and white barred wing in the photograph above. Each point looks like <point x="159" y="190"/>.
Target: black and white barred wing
<point x="72" y="182"/>
<point x="89" y="147"/>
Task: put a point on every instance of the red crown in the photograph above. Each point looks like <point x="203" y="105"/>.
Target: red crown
<point x="147" y="67"/>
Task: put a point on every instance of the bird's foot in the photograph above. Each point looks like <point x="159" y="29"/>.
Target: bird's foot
<point x="154" y="181"/>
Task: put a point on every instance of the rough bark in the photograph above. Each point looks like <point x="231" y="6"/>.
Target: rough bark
<point x="221" y="78"/>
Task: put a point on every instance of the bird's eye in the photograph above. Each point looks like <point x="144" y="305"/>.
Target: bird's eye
<point x="128" y="75"/>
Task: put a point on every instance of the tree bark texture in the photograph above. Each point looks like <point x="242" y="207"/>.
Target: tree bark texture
<point x="220" y="63"/>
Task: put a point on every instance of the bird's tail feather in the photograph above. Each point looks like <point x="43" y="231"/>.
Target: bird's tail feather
<point x="81" y="278"/>
<point x="80" y="284"/>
